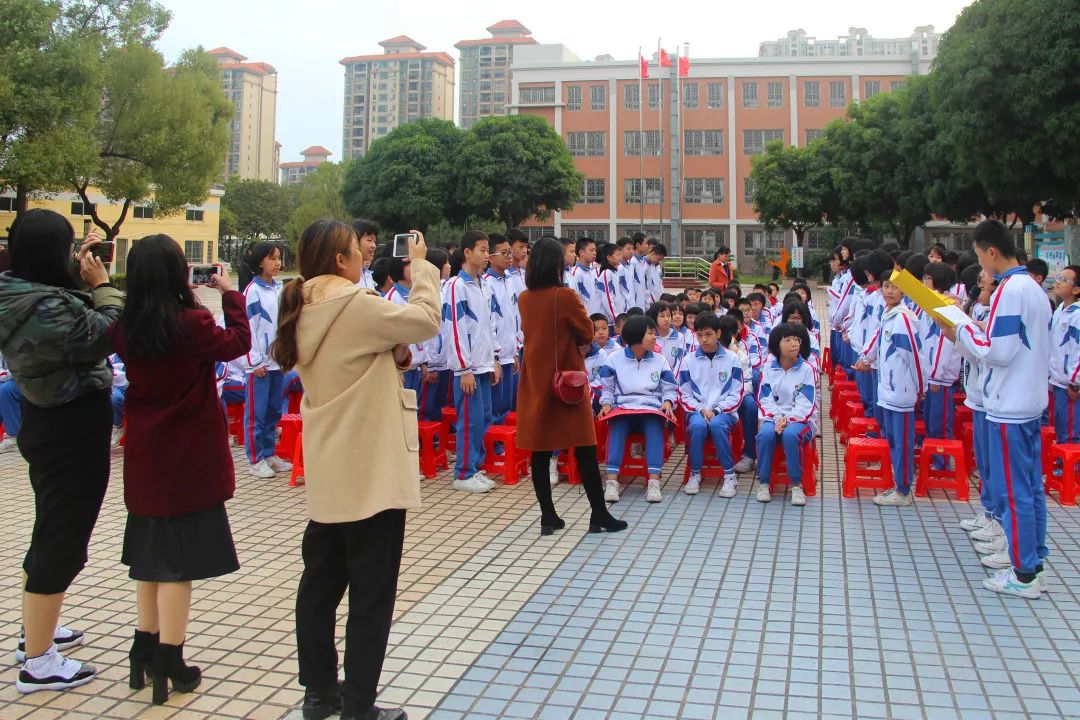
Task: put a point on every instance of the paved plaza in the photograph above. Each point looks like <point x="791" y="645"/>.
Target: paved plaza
<point x="705" y="608"/>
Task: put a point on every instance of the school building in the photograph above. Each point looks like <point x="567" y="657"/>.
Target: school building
<point x="672" y="156"/>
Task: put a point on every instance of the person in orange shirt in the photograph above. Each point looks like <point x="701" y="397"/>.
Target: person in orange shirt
<point x="721" y="273"/>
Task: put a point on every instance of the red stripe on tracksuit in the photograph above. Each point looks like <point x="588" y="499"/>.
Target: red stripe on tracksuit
<point x="1014" y="542"/>
<point x="453" y="322"/>
<point x="249" y="430"/>
<point x="907" y="469"/>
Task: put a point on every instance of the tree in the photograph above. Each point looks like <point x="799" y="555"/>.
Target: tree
<point x="406" y="179"/>
<point x="791" y="187"/>
<point x="258" y="208"/>
<point x="516" y="167"/>
<point x="159" y="133"/>
<point x="1006" y="91"/>
<point x="320" y="196"/>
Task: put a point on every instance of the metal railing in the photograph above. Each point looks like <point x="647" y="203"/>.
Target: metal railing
<point x="686" y="268"/>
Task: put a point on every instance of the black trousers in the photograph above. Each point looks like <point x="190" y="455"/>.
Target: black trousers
<point x="67" y="448"/>
<point x="588" y="469"/>
<point x="363" y="556"/>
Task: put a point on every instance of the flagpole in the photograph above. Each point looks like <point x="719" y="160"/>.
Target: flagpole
<point x="660" y="131"/>
<point x="641" y="140"/>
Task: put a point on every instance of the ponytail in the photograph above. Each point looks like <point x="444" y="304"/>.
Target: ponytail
<point x="284" y="349"/>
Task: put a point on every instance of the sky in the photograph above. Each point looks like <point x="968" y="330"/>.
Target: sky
<point x="305" y="41"/>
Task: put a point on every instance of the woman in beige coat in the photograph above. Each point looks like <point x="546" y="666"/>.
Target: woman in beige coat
<point x="360" y="457"/>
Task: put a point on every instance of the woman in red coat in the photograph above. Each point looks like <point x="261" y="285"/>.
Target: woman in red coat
<point x="178" y="470"/>
<point x="554" y="324"/>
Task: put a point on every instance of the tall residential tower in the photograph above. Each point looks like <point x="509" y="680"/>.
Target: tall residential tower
<point x="485" y="71"/>
<point x="252" y="88"/>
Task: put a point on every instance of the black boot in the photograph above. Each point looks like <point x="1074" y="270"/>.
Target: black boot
<point x="541" y="480"/>
<point x="321" y="704"/>
<point x="169" y="666"/>
<point x="606" y="523"/>
<point x="601" y="520"/>
<point x="141" y="658"/>
<point x="375" y="713"/>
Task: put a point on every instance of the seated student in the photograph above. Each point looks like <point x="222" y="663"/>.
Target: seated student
<point x="787" y="406"/>
<point x="774" y="294"/>
<point x="795" y="311"/>
<point x="602" y="344"/>
<point x="678" y="319"/>
<point x="709" y="299"/>
<point x="748" y="411"/>
<point x="730" y="299"/>
<point x="901" y="383"/>
<point x="638" y="395"/>
<point x="1065" y="355"/>
<point x="711" y="391"/>
<point x="671" y="342"/>
<point x="943" y="363"/>
<point x="119" y="391"/>
<point x="292" y="385"/>
<point x="233" y="390"/>
<point x="619" y="322"/>
<point x="10" y="410"/>
<point x="692" y="311"/>
<point x="693" y="295"/>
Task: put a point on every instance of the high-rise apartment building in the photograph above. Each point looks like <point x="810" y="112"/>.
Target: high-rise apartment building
<point x="402" y="85"/>
<point x="252" y="88"/>
<point x="485" y="85"/>
<point x="673" y="156"/>
<point x="922" y="43"/>
<point x="292" y="173"/>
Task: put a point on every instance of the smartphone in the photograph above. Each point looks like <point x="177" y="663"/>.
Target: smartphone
<point x="401" y="244"/>
<point x="104" y="251"/>
<point x="202" y="274"/>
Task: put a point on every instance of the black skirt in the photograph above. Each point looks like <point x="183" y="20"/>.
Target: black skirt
<point x="196" y="546"/>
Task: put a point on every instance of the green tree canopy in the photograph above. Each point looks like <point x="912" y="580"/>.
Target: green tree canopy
<point x="792" y="187"/>
<point x="320" y="195"/>
<point x="257" y="208"/>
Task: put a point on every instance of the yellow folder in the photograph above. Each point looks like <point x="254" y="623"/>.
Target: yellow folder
<point x="926" y="298"/>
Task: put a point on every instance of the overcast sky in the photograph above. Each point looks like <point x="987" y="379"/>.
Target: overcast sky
<point x="305" y="40"/>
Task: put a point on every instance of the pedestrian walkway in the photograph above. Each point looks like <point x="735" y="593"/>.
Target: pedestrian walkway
<point x="705" y="608"/>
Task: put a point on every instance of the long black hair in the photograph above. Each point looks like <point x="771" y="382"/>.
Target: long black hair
<point x="40" y="245"/>
<point x="545" y="268"/>
<point x="157" y="293"/>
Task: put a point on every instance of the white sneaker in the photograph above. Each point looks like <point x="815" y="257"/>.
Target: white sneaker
<point x="117" y="436"/>
<point x="798" y="497"/>
<point x="730" y="487"/>
<point x="262" y="469"/>
<point x="744" y="465"/>
<point x="473" y="484"/>
<point x="553" y="471"/>
<point x="991" y="546"/>
<point x="988" y="532"/>
<point x="279" y="465"/>
<point x="693" y="484"/>
<point x="976" y="522"/>
<point x="653" y="493"/>
<point x="52" y="671"/>
<point x="998" y="561"/>
<point x="1005" y="582"/>
<point x="764" y="494"/>
<point x="482" y="477"/>
<point x="611" y="491"/>
<point x="1040" y="577"/>
<point x="8" y="445"/>
<point x="63" y="638"/>
<point x="892" y="498"/>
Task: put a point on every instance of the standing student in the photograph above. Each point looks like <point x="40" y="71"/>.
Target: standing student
<point x="943" y="362"/>
<point x="973" y="374"/>
<point x="368" y="232"/>
<point x="864" y="331"/>
<point x="401" y="275"/>
<point x="788" y="409"/>
<point x="583" y="277"/>
<point x="10" y="410"/>
<point x="519" y="256"/>
<point x="265" y="381"/>
<point x="570" y="260"/>
<point x="1015" y="348"/>
<point x="1065" y="356"/>
<point x="470" y="350"/>
<point x="437" y="375"/>
<point x="711" y="391"/>
<point x="639" y="394"/>
<point x="654" y="273"/>
<point x="638" y="265"/>
<point x="175" y="492"/>
<point x="612" y="299"/>
<point x="505" y="327"/>
<point x="901" y="383"/>
<point x="625" y="251"/>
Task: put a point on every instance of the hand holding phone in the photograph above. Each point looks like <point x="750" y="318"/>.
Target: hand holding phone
<point x="402" y="241"/>
<point x="204" y="274"/>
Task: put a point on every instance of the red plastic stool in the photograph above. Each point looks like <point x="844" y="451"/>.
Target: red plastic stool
<point x="838" y="387"/>
<point x="510" y="464"/>
<point x="955" y="479"/>
<point x="680" y="425"/>
<point x="634" y="465"/>
<point x="449" y="420"/>
<point x="966" y="433"/>
<point x="297" y="462"/>
<point x="958" y="398"/>
<point x="290" y="425"/>
<point x="851" y="410"/>
<point x="826" y="361"/>
<point x="431" y="458"/>
<point x="808" y="461"/>
<point x="737" y="442"/>
<point x="963" y="414"/>
<point x="837" y="375"/>
<point x="511" y="419"/>
<point x="861" y="452"/>
<point x="710" y="464"/>
<point x="235" y="413"/>
<point x="568" y="466"/>
<point x="1048" y="437"/>
<point x="294" y="402"/>
<point x="601" y="440"/>
<point x="862" y="427"/>
<point x="1065" y="484"/>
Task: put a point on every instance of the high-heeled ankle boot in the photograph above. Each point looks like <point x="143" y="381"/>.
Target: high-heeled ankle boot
<point x="606" y="523"/>
<point x="141" y="658"/>
<point x="169" y="666"/>
<point x="550" y="523"/>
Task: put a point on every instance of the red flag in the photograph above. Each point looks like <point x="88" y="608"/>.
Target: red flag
<point x="665" y="61"/>
<point x="684" y="67"/>
<point x="644" y="66"/>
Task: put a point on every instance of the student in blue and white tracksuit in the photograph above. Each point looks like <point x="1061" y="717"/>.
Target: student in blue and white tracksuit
<point x="1015" y="347"/>
<point x="901" y="382"/>
<point x="670" y="341"/>
<point x="639" y="388"/>
<point x="1065" y="356"/>
<point x="748" y="411"/>
<point x="10" y="410"/>
<point x="611" y="297"/>
<point x="974" y="376"/>
<point x="265" y="381"/>
<point x="119" y="394"/>
<point x="654" y="273"/>
<point x="601" y="346"/>
<point x="290" y="386"/>
<point x="624" y="272"/>
<point x="234" y="389"/>
<point x="638" y="269"/>
<point x="437" y="376"/>
<point x="583" y="277"/>
<point x="943" y="362"/>
<point x="839" y="297"/>
<point x="470" y="352"/>
<point x="787" y="403"/>
<point x="505" y="327"/>
<point x="711" y="392"/>
<point x="398" y="294"/>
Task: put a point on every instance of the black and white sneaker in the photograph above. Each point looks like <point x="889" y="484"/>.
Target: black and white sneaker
<point x="52" y="671"/>
<point x="64" y="639"/>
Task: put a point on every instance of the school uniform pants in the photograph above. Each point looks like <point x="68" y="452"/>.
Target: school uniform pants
<point x="899" y="428"/>
<point x="795" y="435"/>
<point x="938" y="412"/>
<point x="363" y="556"/>
<point x="755" y="376"/>
<point x="748" y="418"/>
<point x="412" y="379"/>
<point x="719" y="429"/>
<point x="291" y="384"/>
<point x="1015" y="468"/>
<point x="981" y="438"/>
<point x="118" y="395"/>
<point x="502" y="395"/>
<point x="620" y="428"/>
<point x="10" y="408"/>
<point x="864" y="383"/>
<point x="262" y="412"/>
<point x="473" y="421"/>
<point x="1066" y="416"/>
<point x="433" y="396"/>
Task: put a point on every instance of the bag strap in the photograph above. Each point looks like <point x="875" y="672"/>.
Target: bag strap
<point x="555" y="326"/>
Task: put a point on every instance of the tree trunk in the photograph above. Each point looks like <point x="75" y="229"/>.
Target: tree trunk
<point x="22" y="199"/>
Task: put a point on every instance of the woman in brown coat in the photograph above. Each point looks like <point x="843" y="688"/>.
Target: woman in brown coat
<point x="554" y="324"/>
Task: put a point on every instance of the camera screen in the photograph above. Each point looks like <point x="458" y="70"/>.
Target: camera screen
<point x="201" y="274"/>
